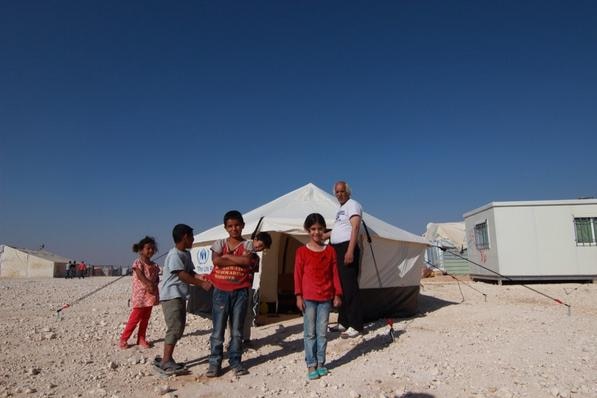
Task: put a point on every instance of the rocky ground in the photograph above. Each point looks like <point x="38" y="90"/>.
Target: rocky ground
<point x="495" y="341"/>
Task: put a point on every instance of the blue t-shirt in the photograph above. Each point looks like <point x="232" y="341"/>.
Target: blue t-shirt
<point x="171" y="286"/>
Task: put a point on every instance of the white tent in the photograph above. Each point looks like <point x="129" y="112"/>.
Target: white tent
<point x="450" y="235"/>
<point x="26" y="263"/>
<point x="447" y="234"/>
<point x="390" y="265"/>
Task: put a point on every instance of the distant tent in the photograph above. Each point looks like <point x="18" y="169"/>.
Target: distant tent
<point x="448" y="234"/>
<point x="390" y="285"/>
<point x="26" y="263"/>
<point x="452" y="236"/>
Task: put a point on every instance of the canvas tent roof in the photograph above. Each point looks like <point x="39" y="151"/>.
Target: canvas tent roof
<point x="449" y="233"/>
<point x="42" y="253"/>
<point x="287" y="214"/>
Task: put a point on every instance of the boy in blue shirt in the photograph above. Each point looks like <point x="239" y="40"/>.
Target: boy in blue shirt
<point x="178" y="274"/>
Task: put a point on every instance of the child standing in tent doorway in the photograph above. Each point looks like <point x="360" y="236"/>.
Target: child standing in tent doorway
<point x="317" y="288"/>
<point x="145" y="292"/>
<point x="232" y="284"/>
<point x="261" y="241"/>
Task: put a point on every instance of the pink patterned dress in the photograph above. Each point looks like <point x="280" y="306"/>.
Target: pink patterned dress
<point x="141" y="297"/>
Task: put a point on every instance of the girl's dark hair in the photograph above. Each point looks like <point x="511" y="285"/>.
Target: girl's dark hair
<point x="137" y="247"/>
<point x="312" y="219"/>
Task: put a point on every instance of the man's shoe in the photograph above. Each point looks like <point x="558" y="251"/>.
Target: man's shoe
<point x="350" y="333"/>
<point x="337" y="328"/>
<point x="213" y="371"/>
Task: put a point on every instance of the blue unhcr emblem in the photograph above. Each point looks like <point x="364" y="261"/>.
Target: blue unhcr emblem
<point x="202" y="256"/>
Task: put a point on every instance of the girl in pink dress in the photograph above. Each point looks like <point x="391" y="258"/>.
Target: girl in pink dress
<point x="145" y="292"/>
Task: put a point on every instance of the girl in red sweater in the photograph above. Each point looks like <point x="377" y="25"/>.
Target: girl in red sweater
<point x="145" y="292"/>
<point x="317" y="287"/>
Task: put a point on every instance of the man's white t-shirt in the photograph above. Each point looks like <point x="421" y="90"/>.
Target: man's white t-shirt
<point x="342" y="227"/>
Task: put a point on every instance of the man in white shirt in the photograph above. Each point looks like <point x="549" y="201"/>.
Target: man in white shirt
<point x="344" y="239"/>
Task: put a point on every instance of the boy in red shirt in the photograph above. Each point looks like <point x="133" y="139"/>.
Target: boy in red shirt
<point x="232" y="281"/>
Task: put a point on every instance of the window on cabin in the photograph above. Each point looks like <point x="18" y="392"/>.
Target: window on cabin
<point x="481" y="236"/>
<point x="585" y="229"/>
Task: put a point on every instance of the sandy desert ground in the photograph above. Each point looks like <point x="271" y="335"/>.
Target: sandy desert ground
<point x="506" y="342"/>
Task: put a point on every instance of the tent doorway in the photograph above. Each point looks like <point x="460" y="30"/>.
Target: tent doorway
<point x="274" y="283"/>
<point x="285" y="300"/>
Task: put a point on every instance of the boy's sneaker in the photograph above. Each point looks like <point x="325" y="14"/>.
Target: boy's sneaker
<point x="212" y="371"/>
<point x="350" y="333"/>
<point x="337" y="328"/>
<point x="240" y="370"/>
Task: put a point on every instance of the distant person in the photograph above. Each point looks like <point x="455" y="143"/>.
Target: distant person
<point x="317" y="288"/>
<point x="232" y="284"/>
<point x="145" y="292"/>
<point x="344" y="238"/>
<point x="81" y="270"/>
<point x="70" y="268"/>
<point x="178" y="274"/>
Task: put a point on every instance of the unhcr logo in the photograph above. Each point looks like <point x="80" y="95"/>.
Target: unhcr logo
<point x="202" y="256"/>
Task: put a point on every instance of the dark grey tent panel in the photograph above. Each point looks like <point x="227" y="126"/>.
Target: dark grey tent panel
<point x="391" y="302"/>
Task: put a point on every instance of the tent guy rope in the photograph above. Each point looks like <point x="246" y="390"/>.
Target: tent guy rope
<point x="457" y="280"/>
<point x="510" y="279"/>
<point x="389" y="321"/>
<point x="68" y="305"/>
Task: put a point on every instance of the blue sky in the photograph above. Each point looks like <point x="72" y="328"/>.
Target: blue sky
<point x="120" y="119"/>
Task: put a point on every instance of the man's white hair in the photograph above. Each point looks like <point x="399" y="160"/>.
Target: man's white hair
<point x="346" y="186"/>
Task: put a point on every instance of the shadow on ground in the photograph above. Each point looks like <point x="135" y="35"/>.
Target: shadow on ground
<point x="289" y="339"/>
<point x="430" y="304"/>
<point x="279" y="338"/>
<point x="198" y="332"/>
